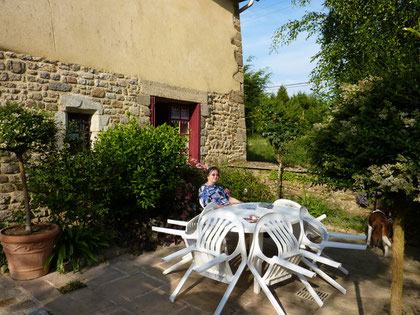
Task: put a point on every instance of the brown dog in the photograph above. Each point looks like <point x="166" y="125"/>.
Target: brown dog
<point x="379" y="227"/>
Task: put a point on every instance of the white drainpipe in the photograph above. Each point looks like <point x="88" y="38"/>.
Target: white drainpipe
<point x="250" y="3"/>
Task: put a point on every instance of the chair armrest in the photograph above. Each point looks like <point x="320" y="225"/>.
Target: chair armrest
<point x="177" y="222"/>
<point x="348" y="236"/>
<point x="215" y="261"/>
<point x="179" y="253"/>
<point x="168" y="231"/>
<point x="321" y="217"/>
<point x="293" y="267"/>
<point x="343" y="245"/>
<point x="320" y="259"/>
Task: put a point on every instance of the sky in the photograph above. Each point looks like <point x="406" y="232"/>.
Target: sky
<point x="292" y="63"/>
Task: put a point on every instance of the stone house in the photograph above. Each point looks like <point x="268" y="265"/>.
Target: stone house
<point x="92" y="62"/>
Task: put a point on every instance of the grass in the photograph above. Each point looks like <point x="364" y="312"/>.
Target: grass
<point x="72" y="286"/>
<point x="335" y="215"/>
<point x="259" y="149"/>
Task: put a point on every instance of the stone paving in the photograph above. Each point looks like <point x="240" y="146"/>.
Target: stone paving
<point x="135" y="285"/>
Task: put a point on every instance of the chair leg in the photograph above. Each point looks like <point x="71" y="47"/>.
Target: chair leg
<point x="230" y="288"/>
<point x="185" y="259"/>
<point x="342" y="269"/>
<point x="310" y="289"/>
<point x="326" y="277"/>
<point x="181" y="283"/>
<point x="266" y="290"/>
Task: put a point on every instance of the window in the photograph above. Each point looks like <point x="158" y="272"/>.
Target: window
<point x="78" y="131"/>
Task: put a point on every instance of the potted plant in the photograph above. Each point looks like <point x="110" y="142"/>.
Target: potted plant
<point x="27" y="246"/>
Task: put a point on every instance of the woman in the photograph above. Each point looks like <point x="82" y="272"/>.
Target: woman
<point x="211" y="192"/>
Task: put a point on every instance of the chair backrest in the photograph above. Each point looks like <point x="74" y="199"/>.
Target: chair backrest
<point x="201" y="202"/>
<point x="310" y="225"/>
<point x="192" y="225"/>
<point x="281" y="232"/>
<point x="287" y="203"/>
<point x="213" y="228"/>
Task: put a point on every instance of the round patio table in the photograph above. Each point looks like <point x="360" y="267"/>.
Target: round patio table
<point x="249" y="213"/>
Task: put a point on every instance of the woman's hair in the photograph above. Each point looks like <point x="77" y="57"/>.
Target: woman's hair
<point x="211" y="169"/>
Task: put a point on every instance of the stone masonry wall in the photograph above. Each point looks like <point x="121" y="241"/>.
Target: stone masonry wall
<point x="62" y="87"/>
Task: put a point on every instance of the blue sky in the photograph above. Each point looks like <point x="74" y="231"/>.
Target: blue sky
<point x="291" y="64"/>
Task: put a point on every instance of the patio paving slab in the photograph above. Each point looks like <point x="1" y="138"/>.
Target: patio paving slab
<point x="136" y="285"/>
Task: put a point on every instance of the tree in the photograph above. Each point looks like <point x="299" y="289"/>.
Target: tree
<point x="287" y="122"/>
<point x="371" y="143"/>
<point x="357" y="39"/>
<point x="255" y="82"/>
<point x="23" y="130"/>
<point x="364" y="48"/>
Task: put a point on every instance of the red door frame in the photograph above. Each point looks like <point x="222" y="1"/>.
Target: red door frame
<point x="194" y="147"/>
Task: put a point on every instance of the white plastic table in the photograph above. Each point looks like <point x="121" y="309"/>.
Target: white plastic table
<point x="257" y="209"/>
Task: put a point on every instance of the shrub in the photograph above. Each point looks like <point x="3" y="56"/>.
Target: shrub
<point x="73" y="188"/>
<point x="244" y="186"/>
<point x="23" y="130"/>
<point x="116" y="187"/>
<point x="78" y="246"/>
<point x="142" y="164"/>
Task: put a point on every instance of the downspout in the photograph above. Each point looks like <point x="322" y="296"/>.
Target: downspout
<point x="250" y="3"/>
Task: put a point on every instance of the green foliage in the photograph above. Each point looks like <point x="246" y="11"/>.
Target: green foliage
<point x="142" y="163"/>
<point x="254" y="85"/>
<point x="77" y="245"/>
<point x="74" y="187"/>
<point x="286" y="124"/>
<point x="299" y="178"/>
<point x="357" y="39"/>
<point x="244" y="186"/>
<point x="24" y="129"/>
<point x="335" y="215"/>
<point x="120" y="184"/>
<point x="371" y="142"/>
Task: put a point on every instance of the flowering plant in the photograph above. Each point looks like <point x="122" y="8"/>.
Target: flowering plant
<point x="23" y="130"/>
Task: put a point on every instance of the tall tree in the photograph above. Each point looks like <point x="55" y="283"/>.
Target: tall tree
<point x="255" y="82"/>
<point x="372" y="136"/>
<point x="357" y="39"/>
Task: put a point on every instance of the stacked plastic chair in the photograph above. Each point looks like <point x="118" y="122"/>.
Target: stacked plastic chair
<point x="208" y="252"/>
<point x="289" y="254"/>
<point x="189" y="234"/>
<point x="312" y="229"/>
<point x="295" y="205"/>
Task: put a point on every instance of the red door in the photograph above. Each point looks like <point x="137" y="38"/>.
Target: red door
<point x="185" y="115"/>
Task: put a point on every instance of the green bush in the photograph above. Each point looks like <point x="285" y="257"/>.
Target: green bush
<point x="142" y="164"/>
<point x="111" y="191"/>
<point x="77" y="246"/>
<point x="73" y="188"/>
<point x="244" y="186"/>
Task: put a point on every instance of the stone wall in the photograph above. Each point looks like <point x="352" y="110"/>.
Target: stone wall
<point x="62" y="87"/>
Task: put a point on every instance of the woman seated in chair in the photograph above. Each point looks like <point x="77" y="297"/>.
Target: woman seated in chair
<point x="210" y="192"/>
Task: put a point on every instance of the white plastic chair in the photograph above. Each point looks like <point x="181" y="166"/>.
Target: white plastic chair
<point x="311" y="227"/>
<point x="188" y="235"/>
<point x="295" y="205"/>
<point x="285" y="263"/>
<point x="209" y="258"/>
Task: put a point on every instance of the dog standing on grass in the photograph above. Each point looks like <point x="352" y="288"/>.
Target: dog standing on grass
<point x="379" y="227"/>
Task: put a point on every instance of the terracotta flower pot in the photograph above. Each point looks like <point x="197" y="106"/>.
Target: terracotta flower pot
<point x="27" y="254"/>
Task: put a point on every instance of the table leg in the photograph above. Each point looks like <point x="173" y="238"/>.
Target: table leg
<point x="258" y="264"/>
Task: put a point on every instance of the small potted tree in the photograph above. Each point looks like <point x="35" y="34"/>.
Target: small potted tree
<point x="27" y="246"/>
